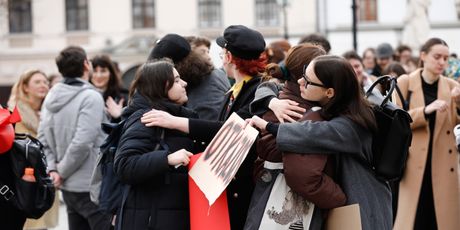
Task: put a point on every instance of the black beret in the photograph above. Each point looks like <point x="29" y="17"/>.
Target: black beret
<point x="242" y="42"/>
<point x="172" y="46"/>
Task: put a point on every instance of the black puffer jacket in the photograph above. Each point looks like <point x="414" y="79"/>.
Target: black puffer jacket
<point x="158" y="197"/>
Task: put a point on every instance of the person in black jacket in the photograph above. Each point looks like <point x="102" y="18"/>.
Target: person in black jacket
<point x="243" y="59"/>
<point x="152" y="160"/>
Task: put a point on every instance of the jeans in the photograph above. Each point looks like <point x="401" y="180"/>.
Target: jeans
<point x="84" y="214"/>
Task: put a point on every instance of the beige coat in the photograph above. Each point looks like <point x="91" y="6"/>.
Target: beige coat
<point x="445" y="159"/>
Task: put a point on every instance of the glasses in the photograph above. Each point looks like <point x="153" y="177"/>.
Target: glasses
<point x="308" y="82"/>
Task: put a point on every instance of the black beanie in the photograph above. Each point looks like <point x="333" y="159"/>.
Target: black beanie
<point x="171" y="46"/>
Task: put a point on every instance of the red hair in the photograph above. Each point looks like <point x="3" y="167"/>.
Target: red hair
<point x="251" y="67"/>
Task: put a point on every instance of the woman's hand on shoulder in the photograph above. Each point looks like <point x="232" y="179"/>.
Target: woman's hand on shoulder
<point x="158" y="118"/>
<point x="165" y="120"/>
<point x="286" y="110"/>
<point x="179" y="158"/>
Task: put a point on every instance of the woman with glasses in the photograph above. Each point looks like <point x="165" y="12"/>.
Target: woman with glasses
<point x="309" y="175"/>
<point x="243" y="60"/>
<point x="346" y="133"/>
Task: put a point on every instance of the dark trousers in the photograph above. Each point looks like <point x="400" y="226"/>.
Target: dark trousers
<point x="84" y="214"/>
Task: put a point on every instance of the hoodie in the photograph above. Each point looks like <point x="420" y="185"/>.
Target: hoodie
<point x="70" y="130"/>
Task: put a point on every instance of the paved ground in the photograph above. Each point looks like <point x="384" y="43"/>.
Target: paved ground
<point x="62" y="217"/>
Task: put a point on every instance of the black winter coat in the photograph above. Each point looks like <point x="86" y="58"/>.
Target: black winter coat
<point x="239" y="191"/>
<point x="158" y="197"/>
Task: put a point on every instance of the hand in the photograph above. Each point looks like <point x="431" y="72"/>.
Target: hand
<point x="181" y="157"/>
<point x="158" y="118"/>
<point x="57" y="180"/>
<point x="113" y="108"/>
<point x="286" y="109"/>
<point x="257" y="122"/>
<point x="438" y="105"/>
<point x="455" y="93"/>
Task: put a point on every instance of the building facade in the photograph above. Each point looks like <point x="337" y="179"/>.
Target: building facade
<point x="32" y="32"/>
<point x="384" y="20"/>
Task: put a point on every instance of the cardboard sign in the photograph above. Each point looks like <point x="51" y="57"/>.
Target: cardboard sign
<point x="223" y="157"/>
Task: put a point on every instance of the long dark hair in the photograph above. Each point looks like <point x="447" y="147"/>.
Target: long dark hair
<point x="153" y="81"/>
<point x="426" y="48"/>
<point x="337" y="73"/>
<point x="113" y="86"/>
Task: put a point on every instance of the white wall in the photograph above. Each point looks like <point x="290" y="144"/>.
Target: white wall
<point x="389" y="25"/>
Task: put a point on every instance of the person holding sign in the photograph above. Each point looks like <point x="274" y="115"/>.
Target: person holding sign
<point x="151" y="159"/>
<point x="347" y="132"/>
<point x="243" y="59"/>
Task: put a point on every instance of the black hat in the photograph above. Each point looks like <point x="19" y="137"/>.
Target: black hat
<point x="242" y="42"/>
<point x="171" y="46"/>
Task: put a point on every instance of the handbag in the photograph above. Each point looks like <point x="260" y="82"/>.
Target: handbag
<point x="32" y="198"/>
<point x="391" y="141"/>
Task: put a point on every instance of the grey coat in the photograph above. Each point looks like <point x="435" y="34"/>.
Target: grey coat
<point x="342" y="136"/>
<point x="70" y="130"/>
<point x="208" y="97"/>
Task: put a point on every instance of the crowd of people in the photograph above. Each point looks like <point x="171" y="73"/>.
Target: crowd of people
<point x="309" y="107"/>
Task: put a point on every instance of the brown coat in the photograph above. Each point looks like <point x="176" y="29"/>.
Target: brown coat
<point x="304" y="173"/>
<point x="445" y="160"/>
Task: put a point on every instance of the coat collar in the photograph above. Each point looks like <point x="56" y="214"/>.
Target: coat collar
<point x="415" y="86"/>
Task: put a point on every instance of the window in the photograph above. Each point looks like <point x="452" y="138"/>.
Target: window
<point x="367" y="10"/>
<point x="143" y="13"/>
<point x="76" y="15"/>
<point x="20" y="16"/>
<point x="267" y="13"/>
<point x="209" y="13"/>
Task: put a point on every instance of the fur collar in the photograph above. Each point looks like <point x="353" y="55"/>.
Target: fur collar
<point x="29" y="116"/>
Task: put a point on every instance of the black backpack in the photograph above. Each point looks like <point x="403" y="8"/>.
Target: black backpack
<point x="391" y="142"/>
<point x="32" y="198"/>
<point x="106" y="189"/>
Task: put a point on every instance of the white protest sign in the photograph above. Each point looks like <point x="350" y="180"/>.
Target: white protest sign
<point x="219" y="163"/>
